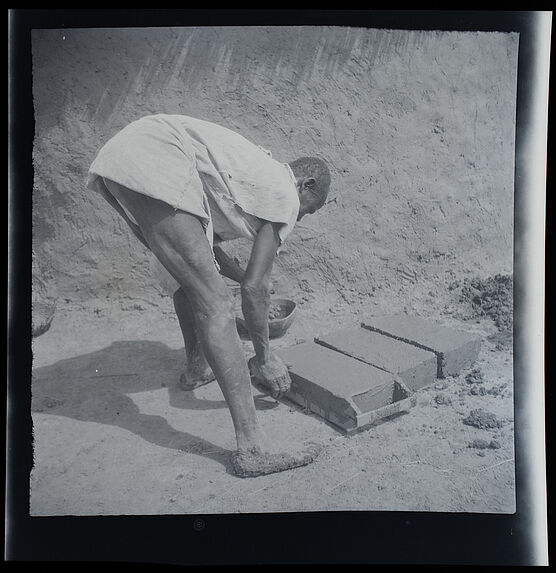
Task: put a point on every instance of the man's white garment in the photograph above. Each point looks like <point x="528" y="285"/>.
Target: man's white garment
<point x="228" y="182"/>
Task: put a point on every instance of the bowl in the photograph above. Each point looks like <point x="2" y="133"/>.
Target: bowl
<point x="281" y="317"/>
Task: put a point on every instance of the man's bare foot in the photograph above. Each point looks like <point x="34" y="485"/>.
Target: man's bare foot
<point x="271" y="377"/>
<point x="193" y="378"/>
<point x="254" y="462"/>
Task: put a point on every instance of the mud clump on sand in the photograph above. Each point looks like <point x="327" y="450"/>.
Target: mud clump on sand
<point x="475" y="377"/>
<point x="478" y="391"/>
<point x="498" y="390"/>
<point x="476" y="380"/>
<point x="491" y="297"/>
<point x="483" y="419"/>
<point x="481" y="444"/>
<point x="442" y="400"/>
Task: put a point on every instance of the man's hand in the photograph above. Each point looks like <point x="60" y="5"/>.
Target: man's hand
<point x="273" y="375"/>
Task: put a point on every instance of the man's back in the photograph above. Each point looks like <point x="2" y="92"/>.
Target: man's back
<point x="259" y="184"/>
<point x="167" y="156"/>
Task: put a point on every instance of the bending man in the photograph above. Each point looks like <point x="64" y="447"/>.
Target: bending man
<point x="185" y="185"/>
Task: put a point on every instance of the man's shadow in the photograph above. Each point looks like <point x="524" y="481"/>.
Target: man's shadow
<point x="93" y="387"/>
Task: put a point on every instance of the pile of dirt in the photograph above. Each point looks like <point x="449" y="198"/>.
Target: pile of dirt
<point x="475" y="377"/>
<point x="477" y="387"/>
<point x="442" y="400"/>
<point x="483" y="419"/>
<point x="491" y="297"/>
<point x="481" y="444"/>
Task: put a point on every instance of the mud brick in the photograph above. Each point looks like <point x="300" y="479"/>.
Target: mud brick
<point x="344" y="391"/>
<point x="415" y="366"/>
<point x="455" y="349"/>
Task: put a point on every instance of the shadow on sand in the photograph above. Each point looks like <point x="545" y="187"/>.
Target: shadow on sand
<point x="94" y="387"/>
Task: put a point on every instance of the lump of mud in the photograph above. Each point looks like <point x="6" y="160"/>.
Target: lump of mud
<point x="494" y="391"/>
<point x="475" y="377"/>
<point x="478" y="391"/>
<point x="481" y="444"/>
<point x="497" y="390"/>
<point x="482" y="419"/>
<point x="491" y="297"/>
<point x="442" y="400"/>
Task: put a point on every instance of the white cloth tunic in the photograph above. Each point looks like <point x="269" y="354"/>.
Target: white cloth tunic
<point x="228" y="182"/>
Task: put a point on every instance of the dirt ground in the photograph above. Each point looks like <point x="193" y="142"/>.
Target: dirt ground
<point x="418" y="129"/>
<point x="115" y="435"/>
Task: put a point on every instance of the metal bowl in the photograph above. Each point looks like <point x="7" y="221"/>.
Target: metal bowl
<point x="283" y="311"/>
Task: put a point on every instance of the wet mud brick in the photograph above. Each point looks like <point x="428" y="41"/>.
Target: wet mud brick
<point x="455" y="349"/>
<point x="415" y="366"/>
<point x="346" y="392"/>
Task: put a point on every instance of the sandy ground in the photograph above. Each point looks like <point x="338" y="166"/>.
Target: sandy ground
<point x="114" y="435"/>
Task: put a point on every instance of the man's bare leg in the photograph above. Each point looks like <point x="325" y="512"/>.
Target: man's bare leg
<point x="178" y="240"/>
<point x="197" y="371"/>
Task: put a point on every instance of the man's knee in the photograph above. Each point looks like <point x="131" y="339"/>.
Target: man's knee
<point x="217" y="309"/>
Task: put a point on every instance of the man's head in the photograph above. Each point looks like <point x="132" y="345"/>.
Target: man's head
<point x="313" y="183"/>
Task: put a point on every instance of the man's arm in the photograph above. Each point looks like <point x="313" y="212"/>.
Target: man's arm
<point x="255" y="288"/>
<point x="266" y="368"/>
